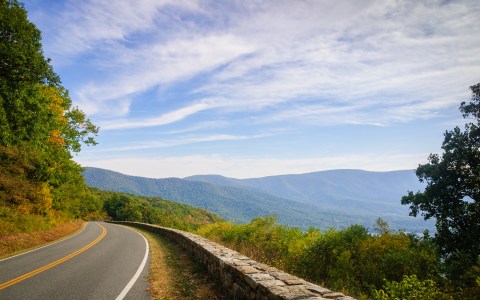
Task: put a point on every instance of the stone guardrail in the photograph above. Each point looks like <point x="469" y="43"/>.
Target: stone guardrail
<point x="241" y="277"/>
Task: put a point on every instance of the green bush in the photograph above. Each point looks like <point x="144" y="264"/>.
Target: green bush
<point x="153" y="210"/>
<point x="409" y="288"/>
<point x="349" y="260"/>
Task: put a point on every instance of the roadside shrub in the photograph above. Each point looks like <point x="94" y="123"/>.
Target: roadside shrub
<point x="350" y="260"/>
<point x="409" y="288"/>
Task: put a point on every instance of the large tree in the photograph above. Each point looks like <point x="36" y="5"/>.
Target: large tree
<point x="39" y="128"/>
<point x="452" y="194"/>
<point x="33" y="103"/>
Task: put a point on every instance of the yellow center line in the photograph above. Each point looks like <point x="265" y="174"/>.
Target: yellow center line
<point x="55" y="263"/>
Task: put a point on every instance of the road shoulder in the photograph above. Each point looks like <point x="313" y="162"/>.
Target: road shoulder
<point x="18" y="243"/>
<point x="174" y="275"/>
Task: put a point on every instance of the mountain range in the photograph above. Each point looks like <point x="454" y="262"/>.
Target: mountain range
<point x="335" y="198"/>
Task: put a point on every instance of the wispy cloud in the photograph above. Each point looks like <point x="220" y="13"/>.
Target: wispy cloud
<point x="164" y="119"/>
<point x="388" y="56"/>
<point x="92" y="24"/>
<point x="207" y="125"/>
<point x="181" y="140"/>
<point x="159" y="66"/>
<point x="254" y="56"/>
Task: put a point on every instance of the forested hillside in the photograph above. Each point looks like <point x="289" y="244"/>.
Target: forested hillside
<point x="231" y="203"/>
<point x="39" y="131"/>
<point x="154" y="210"/>
<point x="240" y="203"/>
<point x="356" y="190"/>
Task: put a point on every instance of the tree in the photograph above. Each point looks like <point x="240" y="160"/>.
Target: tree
<point x="381" y="226"/>
<point x="34" y="106"/>
<point x="38" y="125"/>
<point x="21" y="55"/>
<point x="452" y="194"/>
<point x="22" y="68"/>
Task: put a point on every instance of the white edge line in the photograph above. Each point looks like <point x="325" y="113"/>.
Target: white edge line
<point x="48" y="245"/>
<point x="139" y="270"/>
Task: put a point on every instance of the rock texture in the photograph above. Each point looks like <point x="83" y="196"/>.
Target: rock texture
<point x="242" y="277"/>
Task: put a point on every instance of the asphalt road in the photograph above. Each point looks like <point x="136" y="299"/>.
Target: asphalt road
<point x="103" y="261"/>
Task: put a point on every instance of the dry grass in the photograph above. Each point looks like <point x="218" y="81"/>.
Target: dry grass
<point x="173" y="275"/>
<point x="18" y="242"/>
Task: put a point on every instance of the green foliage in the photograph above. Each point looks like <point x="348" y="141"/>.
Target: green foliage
<point x="381" y="226"/>
<point x="351" y="260"/>
<point x="39" y="127"/>
<point x="452" y="195"/>
<point x="262" y="239"/>
<point x="23" y="71"/>
<point x="14" y="221"/>
<point x="125" y="207"/>
<point x="409" y="288"/>
<point x="17" y="187"/>
<point x="21" y="51"/>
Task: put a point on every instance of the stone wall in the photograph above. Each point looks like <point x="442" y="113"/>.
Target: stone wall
<point x="242" y="277"/>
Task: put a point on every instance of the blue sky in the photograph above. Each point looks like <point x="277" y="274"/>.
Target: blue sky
<point x="257" y="88"/>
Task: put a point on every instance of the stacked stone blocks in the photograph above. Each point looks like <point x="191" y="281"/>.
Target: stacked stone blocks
<point x="241" y="277"/>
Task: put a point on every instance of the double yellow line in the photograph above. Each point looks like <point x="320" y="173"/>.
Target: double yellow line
<point x="55" y="263"/>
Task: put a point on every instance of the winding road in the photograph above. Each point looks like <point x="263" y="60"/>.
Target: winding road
<point x="103" y="261"/>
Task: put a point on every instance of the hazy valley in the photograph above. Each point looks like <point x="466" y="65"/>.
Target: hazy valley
<point x="336" y="198"/>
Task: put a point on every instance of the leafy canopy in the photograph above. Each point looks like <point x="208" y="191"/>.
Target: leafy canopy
<point x="452" y="195"/>
<point x="39" y="128"/>
<point x="34" y="106"/>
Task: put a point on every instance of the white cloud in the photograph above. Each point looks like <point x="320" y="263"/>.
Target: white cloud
<point x="159" y="66"/>
<point x="92" y="23"/>
<point x="164" y="119"/>
<point x="407" y="59"/>
<point x="177" y="141"/>
<point x="387" y="56"/>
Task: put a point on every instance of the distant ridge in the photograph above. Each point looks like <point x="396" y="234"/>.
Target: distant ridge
<point x="364" y="190"/>
<point x="336" y="198"/>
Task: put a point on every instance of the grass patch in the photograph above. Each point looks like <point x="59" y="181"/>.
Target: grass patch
<point x="174" y="275"/>
<point x="15" y="243"/>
